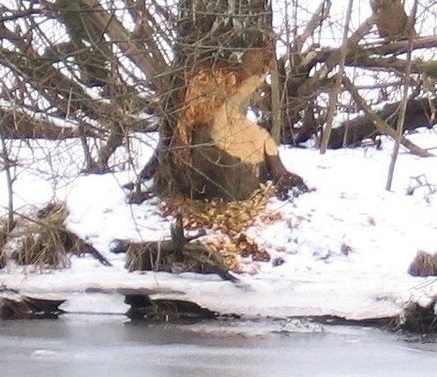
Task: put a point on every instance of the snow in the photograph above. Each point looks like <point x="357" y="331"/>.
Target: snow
<point x="346" y="245"/>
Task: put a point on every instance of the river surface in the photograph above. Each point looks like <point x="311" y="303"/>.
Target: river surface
<point x="110" y="346"/>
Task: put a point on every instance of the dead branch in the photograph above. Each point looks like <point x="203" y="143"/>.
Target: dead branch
<point x="176" y="254"/>
<point x="401" y="46"/>
<point x="334" y="58"/>
<point x="25" y="307"/>
<point x="22" y="126"/>
<point x="63" y="93"/>
<point x="316" y="20"/>
<point x="380" y="123"/>
<point x="351" y="133"/>
<point x="335" y="90"/>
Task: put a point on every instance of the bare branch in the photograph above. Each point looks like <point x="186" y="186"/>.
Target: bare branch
<point x="380" y="123"/>
<point x="150" y="62"/>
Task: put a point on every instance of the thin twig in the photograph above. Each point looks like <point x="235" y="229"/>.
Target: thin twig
<point x="335" y="91"/>
<point x="402" y="107"/>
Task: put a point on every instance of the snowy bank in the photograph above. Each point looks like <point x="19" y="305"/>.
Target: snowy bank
<point x="346" y="246"/>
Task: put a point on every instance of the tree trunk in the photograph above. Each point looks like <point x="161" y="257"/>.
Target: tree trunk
<point x="208" y="148"/>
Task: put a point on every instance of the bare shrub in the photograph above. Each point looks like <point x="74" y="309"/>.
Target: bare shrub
<point x="424" y="264"/>
<point x="46" y="242"/>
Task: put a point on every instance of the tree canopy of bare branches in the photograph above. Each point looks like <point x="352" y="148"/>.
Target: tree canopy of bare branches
<point x="116" y="67"/>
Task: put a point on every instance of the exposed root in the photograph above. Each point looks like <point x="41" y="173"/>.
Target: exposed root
<point x="419" y="319"/>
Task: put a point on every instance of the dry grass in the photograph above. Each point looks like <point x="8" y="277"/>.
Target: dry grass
<point x="6" y="227"/>
<point x="44" y="241"/>
<point x="424" y="264"/>
<point x="139" y="257"/>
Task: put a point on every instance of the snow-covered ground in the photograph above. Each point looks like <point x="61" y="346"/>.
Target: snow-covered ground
<point x="346" y="245"/>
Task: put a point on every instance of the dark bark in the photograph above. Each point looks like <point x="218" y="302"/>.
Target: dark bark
<point x="176" y="254"/>
<point x="419" y="113"/>
<point x="143" y="307"/>
<point x="29" y="308"/>
<point x="209" y="37"/>
<point x="17" y="125"/>
<point x="90" y="50"/>
<point x="216" y="30"/>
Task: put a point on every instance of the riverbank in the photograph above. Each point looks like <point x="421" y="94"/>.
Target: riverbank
<point x="345" y="247"/>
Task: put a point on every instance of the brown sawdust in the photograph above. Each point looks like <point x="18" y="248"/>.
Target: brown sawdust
<point x="227" y="223"/>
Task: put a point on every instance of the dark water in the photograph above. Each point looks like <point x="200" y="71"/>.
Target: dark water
<point x="111" y="347"/>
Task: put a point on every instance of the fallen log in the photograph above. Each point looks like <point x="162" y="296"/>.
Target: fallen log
<point x="176" y="254"/>
<point x="143" y="307"/>
<point x="419" y="113"/>
<point x="24" y="307"/>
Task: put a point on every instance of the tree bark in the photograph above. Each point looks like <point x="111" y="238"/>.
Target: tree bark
<point x="17" y="125"/>
<point x="418" y="113"/>
<point x="207" y="146"/>
<point x="175" y="253"/>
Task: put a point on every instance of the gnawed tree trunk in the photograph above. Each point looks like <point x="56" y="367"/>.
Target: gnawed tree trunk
<point x="208" y="148"/>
